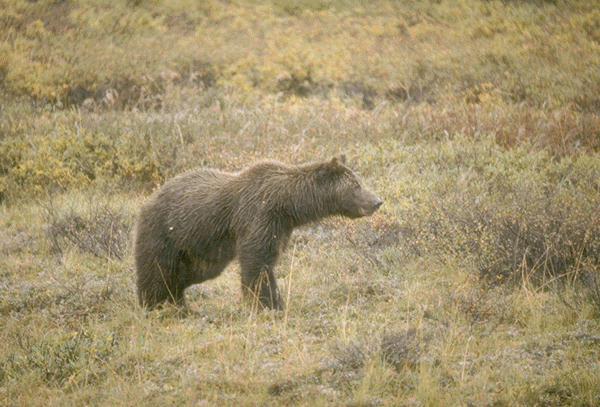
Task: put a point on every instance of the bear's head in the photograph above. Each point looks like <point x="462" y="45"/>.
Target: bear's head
<point x="347" y="195"/>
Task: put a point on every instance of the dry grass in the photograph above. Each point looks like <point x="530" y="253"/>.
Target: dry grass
<point x="477" y="283"/>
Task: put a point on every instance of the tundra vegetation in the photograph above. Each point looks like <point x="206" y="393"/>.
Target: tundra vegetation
<point x="478" y="281"/>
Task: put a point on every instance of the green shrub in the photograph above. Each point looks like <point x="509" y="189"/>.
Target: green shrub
<point x="516" y="215"/>
<point x="124" y="54"/>
<point x="73" y="158"/>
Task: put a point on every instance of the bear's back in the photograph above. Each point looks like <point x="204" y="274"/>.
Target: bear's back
<point x="192" y="201"/>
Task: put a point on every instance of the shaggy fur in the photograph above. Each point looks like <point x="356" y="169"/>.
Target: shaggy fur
<point x="198" y="222"/>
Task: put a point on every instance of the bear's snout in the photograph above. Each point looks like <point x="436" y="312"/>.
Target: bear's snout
<point x="375" y="204"/>
<point x="368" y="203"/>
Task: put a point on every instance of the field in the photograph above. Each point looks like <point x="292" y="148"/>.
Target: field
<point x="478" y="122"/>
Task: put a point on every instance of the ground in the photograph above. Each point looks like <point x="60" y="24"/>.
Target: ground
<point x="476" y="283"/>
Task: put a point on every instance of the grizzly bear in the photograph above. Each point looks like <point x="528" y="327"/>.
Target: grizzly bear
<point x="199" y="221"/>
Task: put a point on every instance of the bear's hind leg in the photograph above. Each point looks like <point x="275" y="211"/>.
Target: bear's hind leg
<point x="160" y="285"/>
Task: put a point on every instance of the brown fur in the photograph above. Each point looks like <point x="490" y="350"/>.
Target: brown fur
<point x="198" y="222"/>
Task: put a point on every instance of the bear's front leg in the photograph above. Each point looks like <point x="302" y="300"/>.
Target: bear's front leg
<point x="258" y="279"/>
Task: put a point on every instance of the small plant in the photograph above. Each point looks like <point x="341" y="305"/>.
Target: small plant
<point x="401" y="349"/>
<point x="98" y="229"/>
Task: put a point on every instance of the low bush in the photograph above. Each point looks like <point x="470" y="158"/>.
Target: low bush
<point x="517" y="218"/>
<point x="124" y="55"/>
<point x="98" y="229"/>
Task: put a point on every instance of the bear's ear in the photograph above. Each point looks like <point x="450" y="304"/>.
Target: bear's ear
<point x="330" y="168"/>
<point x="337" y="161"/>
